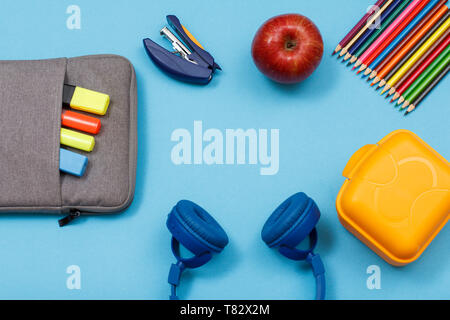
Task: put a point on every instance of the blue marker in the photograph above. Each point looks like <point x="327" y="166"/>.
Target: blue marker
<point x="72" y="163"/>
<point x="403" y="34"/>
<point x="370" y="31"/>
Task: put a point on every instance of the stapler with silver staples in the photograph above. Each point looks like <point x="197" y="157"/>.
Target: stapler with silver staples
<point x="189" y="61"/>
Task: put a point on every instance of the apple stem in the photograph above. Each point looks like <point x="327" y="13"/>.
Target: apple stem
<point x="290" y="44"/>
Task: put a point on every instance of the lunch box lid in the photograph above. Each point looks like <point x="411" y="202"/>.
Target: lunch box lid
<point x="396" y="197"/>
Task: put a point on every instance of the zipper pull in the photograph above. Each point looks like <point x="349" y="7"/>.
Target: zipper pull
<point x="66" y="220"/>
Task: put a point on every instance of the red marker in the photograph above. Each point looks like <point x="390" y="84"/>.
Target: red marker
<point x="80" y="122"/>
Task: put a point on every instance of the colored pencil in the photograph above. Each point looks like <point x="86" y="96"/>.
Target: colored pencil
<point x="411" y="48"/>
<point x="427" y="77"/>
<point x="366" y="26"/>
<point x="408" y="78"/>
<point x="357" y="27"/>
<point x="383" y="57"/>
<point x="420" y="52"/>
<point x="389" y="34"/>
<point x="430" y="88"/>
<point x="370" y="31"/>
<point x="385" y="24"/>
<point x="402" y="62"/>
<point x="407" y="52"/>
<point x="408" y="38"/>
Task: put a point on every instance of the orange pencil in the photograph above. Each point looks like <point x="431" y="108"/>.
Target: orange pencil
<point x="419" y="35"/>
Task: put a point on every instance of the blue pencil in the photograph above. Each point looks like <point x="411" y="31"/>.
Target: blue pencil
<point x="400" y="37"/>
<point x="370" y="31"/>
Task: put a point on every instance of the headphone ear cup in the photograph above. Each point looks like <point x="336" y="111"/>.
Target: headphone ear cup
<point x="195" y="228"/>
<point x="291" y="222"/>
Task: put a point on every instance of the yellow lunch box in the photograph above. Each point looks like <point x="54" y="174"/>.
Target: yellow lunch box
<point x="396" y="197"/>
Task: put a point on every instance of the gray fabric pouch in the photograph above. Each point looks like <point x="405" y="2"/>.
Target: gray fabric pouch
<point x="30" y="123"/>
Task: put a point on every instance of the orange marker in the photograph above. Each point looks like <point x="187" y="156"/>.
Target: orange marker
<point x="80" y="122"/>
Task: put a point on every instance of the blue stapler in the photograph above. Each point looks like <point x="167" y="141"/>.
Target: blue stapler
<point x="189" y="61"/>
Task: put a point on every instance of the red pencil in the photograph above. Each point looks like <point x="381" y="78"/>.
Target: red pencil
<point x="422" y="67"/>
<point x="357" y="27"/>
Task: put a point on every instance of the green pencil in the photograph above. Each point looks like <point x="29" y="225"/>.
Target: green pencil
<point x="427" y="77"/>
<point x="383" y="26"/>
<point x="424" y="94"/>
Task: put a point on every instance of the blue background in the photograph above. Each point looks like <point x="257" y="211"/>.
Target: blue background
<point x="322" y="122"/>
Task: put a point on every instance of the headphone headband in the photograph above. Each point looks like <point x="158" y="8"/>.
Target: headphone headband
<point x="297" y="254"/>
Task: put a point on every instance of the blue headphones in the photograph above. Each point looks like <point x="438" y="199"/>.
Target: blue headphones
<point x="290" y="224"/>
<point x="196" y="230"/>
<point x="293" y="221"/>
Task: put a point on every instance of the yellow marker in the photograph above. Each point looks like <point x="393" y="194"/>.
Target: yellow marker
<point x="419" y="53"/>
<point x="77" y="140"/>
<point x="85" y="100"/>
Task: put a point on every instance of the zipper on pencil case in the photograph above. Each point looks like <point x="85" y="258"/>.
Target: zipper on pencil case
<point x="73" y="214"/>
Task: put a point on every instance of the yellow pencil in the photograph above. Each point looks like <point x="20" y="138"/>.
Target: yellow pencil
<point x="366" y="26"/>
<point x="419" y="53"/>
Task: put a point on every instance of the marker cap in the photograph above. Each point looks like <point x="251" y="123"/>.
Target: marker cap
<point x="72" y="163"/>
<point x="77" y="140"/>
<point x="80" y="122"/>
<point x="86" y="100"/>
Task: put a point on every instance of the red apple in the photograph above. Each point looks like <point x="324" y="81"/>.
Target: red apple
<point x="287" y="48"/>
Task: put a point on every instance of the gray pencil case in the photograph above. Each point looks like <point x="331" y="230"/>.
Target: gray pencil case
<point x="30" y="123"/>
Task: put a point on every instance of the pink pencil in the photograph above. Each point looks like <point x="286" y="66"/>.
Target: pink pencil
<point x="362" y="59"/>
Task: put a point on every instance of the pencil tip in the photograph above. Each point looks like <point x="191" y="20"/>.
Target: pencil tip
<point x="411" y="108"/>
<point x="337" y="49"/>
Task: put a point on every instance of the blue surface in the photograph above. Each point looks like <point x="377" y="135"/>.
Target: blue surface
<point x="322" y="122"/>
